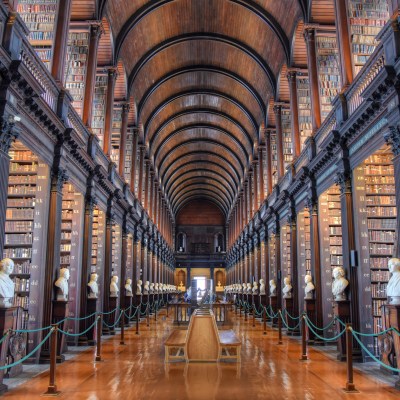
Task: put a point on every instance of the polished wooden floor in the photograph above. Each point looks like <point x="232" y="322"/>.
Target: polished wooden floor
<point x="268" y="371"/>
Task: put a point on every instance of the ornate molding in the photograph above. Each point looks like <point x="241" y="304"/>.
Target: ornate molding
<point x="343" y="180"/>
<point x="58" y="178"/>
<point x="7" y="133"/>
<point x="392" y="138"/>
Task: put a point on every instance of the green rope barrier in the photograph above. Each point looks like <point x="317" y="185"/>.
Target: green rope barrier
<point x="258" y="313"/>
<point x="116" y="322"/>
<point x="325" y="327"/>
<point x="31" y="330"/>
<point x="321" y="337"/>
<point x="109" y="312"/>
<point x="129" y="316"/>
<point x="287" y="326"/>
<point x="80" y="333"/>
<point x="30" y="354"/>
<point x="371" y="355"/>
<point x="379" y="333"/>
<point x="291" y="317"/>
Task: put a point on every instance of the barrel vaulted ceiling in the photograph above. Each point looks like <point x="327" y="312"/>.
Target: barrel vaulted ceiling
<point x="201" y="74"/>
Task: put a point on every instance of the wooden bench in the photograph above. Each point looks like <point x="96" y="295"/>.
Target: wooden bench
<point x="230" y="346"/>
<point x="175" y="346"/>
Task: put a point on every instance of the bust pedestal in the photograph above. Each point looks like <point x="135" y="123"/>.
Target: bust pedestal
<point x="126" y="304"/>
<point x="342" y="311"/>
<point x="309" y="308"/>
<point x="390" y="343"/>
<point x="6" y="322"/>
<point x="289" y="305"/>
<point x="89" y="339"/>
<point x="273" y="302"/>
<point x="60" y="312"/>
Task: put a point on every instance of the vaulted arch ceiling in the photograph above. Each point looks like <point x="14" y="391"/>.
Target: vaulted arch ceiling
<point x="202" y="74"/>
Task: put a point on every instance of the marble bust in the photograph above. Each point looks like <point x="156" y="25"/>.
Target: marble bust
<point x="139" y="287"/>
<point x="248" y="288"/>
<point x="62" y="284"/>
<point x="393" y="286"/>
<point x="93" y="286"/>
<point x="7" y="286"/>
<point x="287" y="289"/>
<point x="114" y="289"/>
<point x="244" y="288"/>
<point x="147" y="287"/>
<point x="151" y="287"/>
<point x="128" y="288"/>
<point x="339" y="284"/>
<point x="156" y="288"/>
<point x="272" y="288"/>
<point x="309" y="289"/>
<point x="255" y="288"/>
<point x="262" y="286"/>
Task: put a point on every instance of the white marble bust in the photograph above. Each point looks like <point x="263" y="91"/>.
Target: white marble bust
<point x="62" y="284"/>
<point x="151" y="287"/>
<point x="262" y="286"/>
<point x="255" y="287"/>
<point x="339" y="284"/>
<point x="248" y="288"/>
<point x="139" y="287"/>
<point x="309" y="289"/>
<point x="128" y="288"/>
<point x="114" y="289"/>
<point x="287" y="289"/>
<point x="146" y="287"/>
<point x="393" y="286"/>
<point x="7" y="286"/>
<point x="244" y="288"/>
<point x="272" y="288"/>
<point x="93" y="286"/>
<point x="156" y="288"/>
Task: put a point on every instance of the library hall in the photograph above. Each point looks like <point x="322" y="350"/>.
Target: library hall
<point x="199" y="199"/>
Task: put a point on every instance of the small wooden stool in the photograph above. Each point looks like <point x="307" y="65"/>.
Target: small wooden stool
<point x="175" y="346"/>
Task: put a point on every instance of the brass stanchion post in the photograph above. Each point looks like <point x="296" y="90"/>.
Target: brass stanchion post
<point x="264" y="320"/>
<point x="148" y="313"/>
<point x="350" y="387"/>
<point x="52" y="388"/>
<point x="304" y="356"/>
<point x="98" y="341"/>
<point x="137" y="320"/>
<point x="254" y="318"/>
<point x="122" y="341"/>
<point x="279" y="327"/>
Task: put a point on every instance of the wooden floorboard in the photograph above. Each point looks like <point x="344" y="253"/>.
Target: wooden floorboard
<point x="268" y="371"/>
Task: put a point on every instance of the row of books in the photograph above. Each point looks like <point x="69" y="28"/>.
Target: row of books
<point x="381" y="211"/>
<point x="19" y="213"/>
<point x="381" y="249"/>
<point x="18" y="226"/>
<point x="381" y="236"/>
<point x="23" y="252"/>
<point x="21" y="284"/>
<point x="18" y="238"/>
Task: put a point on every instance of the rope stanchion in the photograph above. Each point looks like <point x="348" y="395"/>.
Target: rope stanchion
<point x="304" y="356"/>
<point x="265" y="321"/>
<point x="122" y="341"/>
<point x="52" y="388"/>
<point x="98" y="341"/>
<point x="350" y="387"/>
<point x="254" y="317"/>
<point x="280" y="327"/>
<point x="148" y="314"/>
<point x="137" y="320"/>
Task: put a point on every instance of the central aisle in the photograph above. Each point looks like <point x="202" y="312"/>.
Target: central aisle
<point x="137" y="371"/>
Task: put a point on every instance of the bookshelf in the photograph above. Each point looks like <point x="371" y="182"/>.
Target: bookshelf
<point x="76" y="65"/>
<point x="287" y="137"/>
<point x="285" y="251"/>
<point x="39" y="16"/>
<point x="71" y="248"/>
<point x="116" y="249"/>
<point x="328" y="71"/>
<point x="330" y="225"/>
<point x="116" y="133"/>
<point x="304" y="107"/>
<point x="27" y="205"/>
<point x="303" y="249"/>
<point x="366" y="19"/>
<point x="272" y="257"/>
<point x="98" y="246"/>
<point x="99" y="107"/>
<point x="274" y="159"/>
<point x="129" y="258"/>
<point x="376" y="224"/>
<point x="128" y="155"/>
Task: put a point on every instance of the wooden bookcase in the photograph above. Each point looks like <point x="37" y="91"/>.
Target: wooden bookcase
<point x="76" y="65"/>
<point x="375" y="202"/>
<point x="328" y="70"/>
<point x="330" y="231"/>
<point x="304" y="106"/>
<point x="287" y="137"/>
<point x="71" y="248"/>
<point x="116" y="133"/>
<point x="99" y="106"/>
<point x="285" y="251"/>
<point x="272" y="257"/>
<point x="366" y="19"/>
<point x="116" y="250"/>
<point x="39" y="16"/>
<point x="25" y="233"/>
<point x="128" y="155"/>
<point x="98" y="246"/>
<point x="274" y="159"/>
<point x="303" y="250"/>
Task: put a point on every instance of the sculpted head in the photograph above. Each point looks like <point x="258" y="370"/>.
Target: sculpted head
<point x="272" y="282"/>
<point x="394" y="265"/>
<point x="307" y="278"/>
<point x="7" y="266"/>
<point x="128" y="281"/>
<point x="287" y="280"/>
<point x="114" y="279"/>
<point x="64" y="273"/>
<point x="93" y="277"/>
<point x="338" y="272"/>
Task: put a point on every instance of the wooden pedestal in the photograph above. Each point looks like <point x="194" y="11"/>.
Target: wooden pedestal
<point x="127" y="302"/>
<point x="390" y="343"/>
<point x="309" y="308"/>
<point x="109" y="319"/>
<point x="89" y="338"/>
<point x="60" y="312"/>
<point x="342" y="311"/>
<point x="273" y="302"/>
<point x="6" y="322"/>
<point x="291" y="322"/>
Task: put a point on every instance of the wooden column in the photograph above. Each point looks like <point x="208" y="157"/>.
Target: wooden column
<point x="251" y="202"/>
<point x="61" y="40"/>
<point x="52" y="262"/>
<point x="150" y="209"/>
<point x="108" y="259"/>
<point x="250" y="261"/>
<point x="144" y="261"/>
<point x="146" y="178"/>
<point x="108" y="119"/>
<point x="134" y="166"/>
<point x="277" y="234"/>
<point x="256" y="201"/>
<point x="257" y="259"/>
<point x="279" y="141"/>
<point x="150" y="264"/>
<point x="343" y="39"/>
<point x="293" y="262"/>
<point x="136" y="259"/>
<point x="142" y="167"/>
<point x="86" y="260"/>
<point x="261" y="187"/>
<point x="124" y="253"/>
<point x="294" y="113"/>
<point x="315" y="256"/>
<point x="122" y="145"/>
<point x="268" y="161"/>
<point x="309" y="35"/>
<point x="95" y="33"/>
